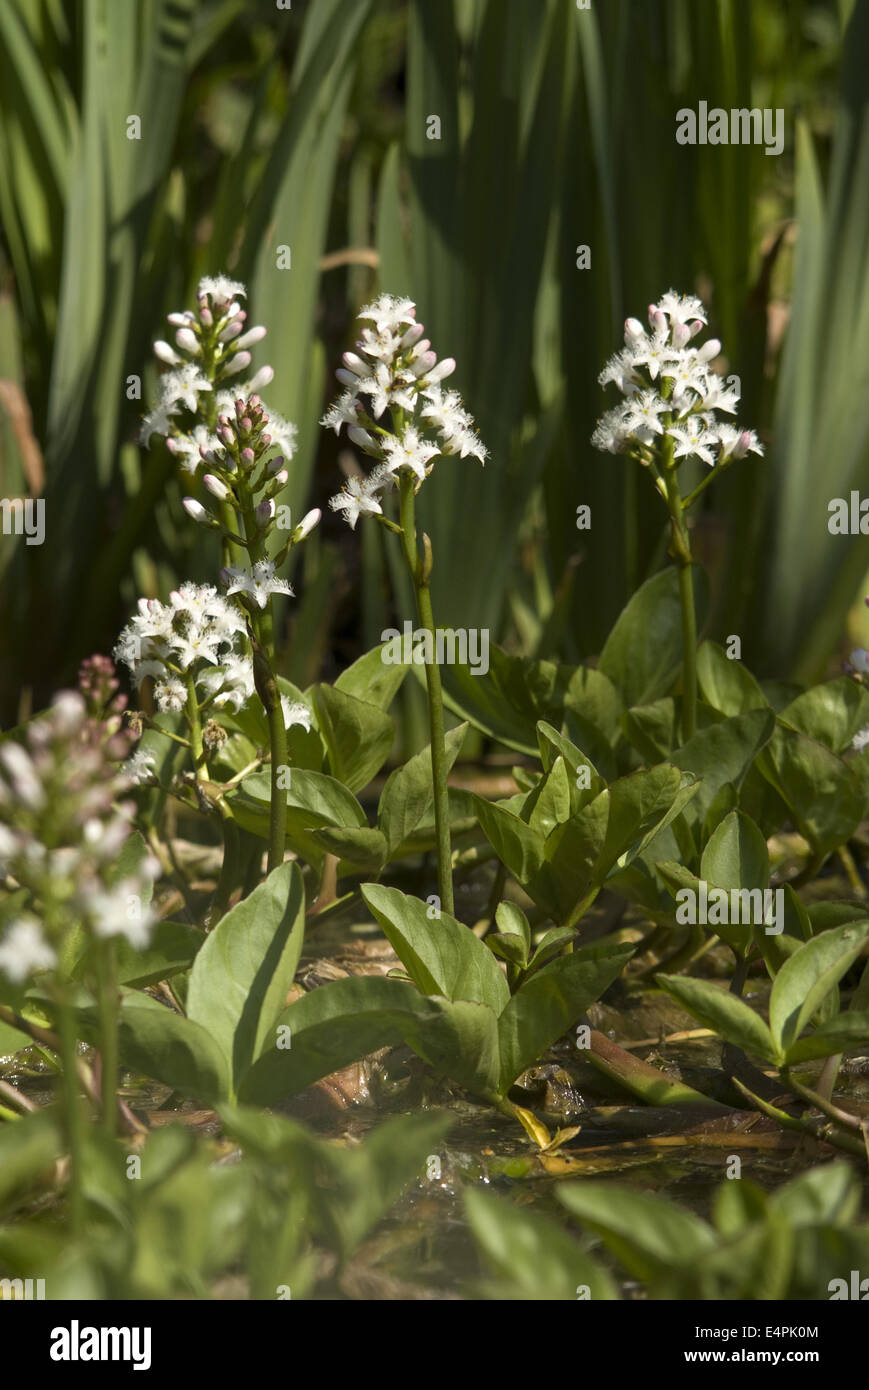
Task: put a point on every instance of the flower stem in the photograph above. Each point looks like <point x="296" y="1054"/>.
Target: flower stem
<point x="420" y="573"/>
<point x="72" y="1113"/>
<point x="108" y="1005"/>
<point x="680" y="549"/>
<point x="267" y="689"/>
<point x="199" y="763"/>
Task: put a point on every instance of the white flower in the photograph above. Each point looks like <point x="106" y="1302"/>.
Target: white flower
<point x="184" y="385"/>
<point x="283" y="433"/>
<point x="611" y="433"/>
<point x="388" y="313"/>
<point x="24" y="950"/>
<point x="186" y="447"/>
<point x="652" y="352"/>
<point x="139" y="767"/>
<point x="681" y="308"/>
<point x="344" y="411"/>
<point x="120" y="911"/>
<point x="860" y="739"/>
<point x="170" y="695"/>
<point x="641" y="414"/>
<point x="231" y="683"/>
<point x="295" y="712"/>
<point x="259" y="584"/>
<point x="860" y="660"/>
<point x="220" y="288"/>
<point x="158" y="420"/>
<point x="360" y="497"/>
<point x="411" y="451"/>
<point x="693" y="440"/>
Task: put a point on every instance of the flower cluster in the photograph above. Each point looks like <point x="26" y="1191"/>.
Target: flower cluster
<point x="671" y="391"/>
<point x="197" y="633"/>
<point x="395" y="370"/>
<point x="63" y="823"/>
<point x="245" y="480"/>
<point x="210" y="348"/>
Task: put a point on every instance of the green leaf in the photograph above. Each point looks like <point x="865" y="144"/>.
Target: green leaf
<point x="172" y="948"/>
<point x="551" y="1001"/>
<point x="241" y="976"/>
<point x="459" y="1040"/>
<point x="28" y="1148"/>
<point x="358" y="736"/>
<point x="722" y="754"/>
<point x="364" y="1182"/>
<point x="838" y="1034"/>
<point x="721" y="1011"/>
<point x="532" y="1256"/>
<point x="808" y="976"/>
<point x="643" y="653"/>
<point x="156" y="1041"/>
<point x="726" y="684"/>
<point x="329" y="1028"/>
<point x="365" y="849"/>
<point x="831" y="713"/>
<point x="736" y="855"/>
<point x="511" y="920"/>
<point x="824" y="797"/>
<point x="648" y="1234"/>
<point x="572" y="852"/>
<point x="637" y="803"/>
<point x="407" y="799"/>
<point x="313" y="801"/>
<point x="507" y="702"/>
<point x="441" y="956"/>
<point x="828" y="1195"/>
<point x="549" y="804"/>
<point x="514" y="842"/>
<point x="372" y="679"/>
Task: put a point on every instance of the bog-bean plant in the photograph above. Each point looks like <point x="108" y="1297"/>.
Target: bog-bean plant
<point x="176" y="831"/>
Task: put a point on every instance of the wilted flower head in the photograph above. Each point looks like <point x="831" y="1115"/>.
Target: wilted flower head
<point x="394" y="372"/>
<point x="671" y="393"/>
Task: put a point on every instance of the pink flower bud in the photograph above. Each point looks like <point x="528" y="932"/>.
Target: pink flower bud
<point x="347" y="378"/>
<point x="361" y="437"/>
<point x="253" y="335"/>
<point x="424" y="364"/>
<point x="196" y="511"/>
<point x="413" y="335"/>
<point x="696" y="326"/>
<point x="355" y="364"/>
<point x="681" y="334"/>
<point x="187" y="340"/>
<point x="281" y="477"/>
<point x="238" y="362"/>
<point x="226" y="435"/>
<point x="633" y="330"/>
<point x="657" y="318"/>
<point x="264" y="513"/>
<point x="444" y="368"/>
<point x="264" y="377"/>
<point x="307" y="524"/>
<point x="182" y="320"/>
<point x="166" y="354"/>
<point x="274" y="465"/>
<point x="248" y="458"/>
<point x="205" y="315"/>
<point x="709" y="350"/>
<point x="216" y="487"/>
<point x="232" y="330"/>
<point x="246" y="422"/>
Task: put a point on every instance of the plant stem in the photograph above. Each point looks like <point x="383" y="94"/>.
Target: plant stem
<point x="108" y="1006"/>
<point x="680" y="549"/>
<point x="267" y="689"/>
<point x="420" y="573"/>
<point x="72" y="1113"/>
<point x="199" y="764"/>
